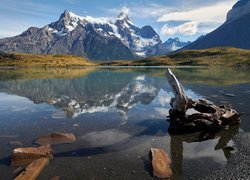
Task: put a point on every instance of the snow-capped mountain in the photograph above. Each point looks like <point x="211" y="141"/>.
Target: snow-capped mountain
<point x="173" y="44"/>
<point x="95" y="38"/>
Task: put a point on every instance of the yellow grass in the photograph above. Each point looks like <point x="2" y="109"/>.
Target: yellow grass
<point x="44" y="60"/>
<point x="225" y="56"/>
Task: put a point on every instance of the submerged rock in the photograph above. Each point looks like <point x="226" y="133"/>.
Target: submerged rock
<point x="160" y="163"/>
<point x="33" y="169"/>
<point x="24" y="156"/>
<point x="56" y="138"/>
<point x="55" y="178"/>
<point x="15" y="144"/>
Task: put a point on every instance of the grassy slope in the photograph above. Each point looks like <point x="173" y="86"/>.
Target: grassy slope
<point x="42" y="60"/>
<point x="214" y="56"/>
<point x="207" y="57"/>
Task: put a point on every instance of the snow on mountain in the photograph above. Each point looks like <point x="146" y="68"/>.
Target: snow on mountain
<point x="120" y="27"/>
<point x="95" y="38"/>
<point x="173" y="44"/>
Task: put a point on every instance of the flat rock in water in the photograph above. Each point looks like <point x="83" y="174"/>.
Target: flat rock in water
<point x="24" y="156"/>
<point x="160" y="163"/>
<point x="33" y="169"/>
<point x="56" y="138"/>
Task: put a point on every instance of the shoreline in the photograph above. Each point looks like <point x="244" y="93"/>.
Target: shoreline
<point x="237" y="166"/>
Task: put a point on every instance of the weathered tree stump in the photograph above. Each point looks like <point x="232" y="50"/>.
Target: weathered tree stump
<point x="210" y="118"/>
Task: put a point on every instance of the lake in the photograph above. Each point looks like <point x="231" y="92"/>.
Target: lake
<point x="117" y="115"/>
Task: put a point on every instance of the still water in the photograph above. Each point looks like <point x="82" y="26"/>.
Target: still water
<point x="117" y="115"/>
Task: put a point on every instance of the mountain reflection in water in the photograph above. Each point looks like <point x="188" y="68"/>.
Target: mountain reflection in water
<point x="120" y="114"/>
<point x="100" y="91"/>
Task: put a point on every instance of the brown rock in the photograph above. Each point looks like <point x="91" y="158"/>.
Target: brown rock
<point x="33" y="169"/>
<point x="160" y="163"/>
<point x="24" y="156"/>
<point x="56" y="138"/>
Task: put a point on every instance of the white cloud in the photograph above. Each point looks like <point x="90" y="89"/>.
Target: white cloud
<point x="201" y="17"/>
<point x="124" y="10"/>
<point x="212" y="13"/>
<point x="188" y="28"/>
<point x="152" y="10"/>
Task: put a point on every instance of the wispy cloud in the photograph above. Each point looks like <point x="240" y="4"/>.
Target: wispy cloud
<point x="212" y="13"/>
<point x="192" y="16"/>
<point x="17" y="16"/>
<point x="196" y="16"/>
<point x="138" y="10"/>
<point x="28" y="8"/>
<point x="188" y="28"/>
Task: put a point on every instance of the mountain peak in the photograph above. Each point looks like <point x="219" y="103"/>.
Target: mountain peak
<point x="241" y="3"/>
<point x="123" y="15"/>
<point x="173" y="44"/>
<point x="240" y="9"/>
<point x="68" y="15"/>
<point x="65" y="14"/>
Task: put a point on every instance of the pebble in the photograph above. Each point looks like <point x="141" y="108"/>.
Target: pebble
<point x="76" y="125"/>
<point x="224" y="102"/>
<point x="229" y="95"/>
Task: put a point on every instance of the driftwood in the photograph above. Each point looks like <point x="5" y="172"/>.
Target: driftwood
<point x="210" y="117"/>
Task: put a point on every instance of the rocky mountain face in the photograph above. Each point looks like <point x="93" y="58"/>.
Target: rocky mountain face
<point x="173" y="44"/>
<point x="234" y="32"/>
<point x="94" y="38"/>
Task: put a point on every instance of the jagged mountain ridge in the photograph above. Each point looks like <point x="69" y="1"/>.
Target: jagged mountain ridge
<point x="94" y="38"/>
<point x="173" y="44"/>
<point x="234" y="32"/>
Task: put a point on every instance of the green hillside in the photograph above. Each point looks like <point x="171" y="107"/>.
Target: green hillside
<point x="207" y="57"/>
<point x="225" y="56"/>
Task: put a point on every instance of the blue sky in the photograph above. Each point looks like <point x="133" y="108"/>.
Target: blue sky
<point x="186" y="19"/>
